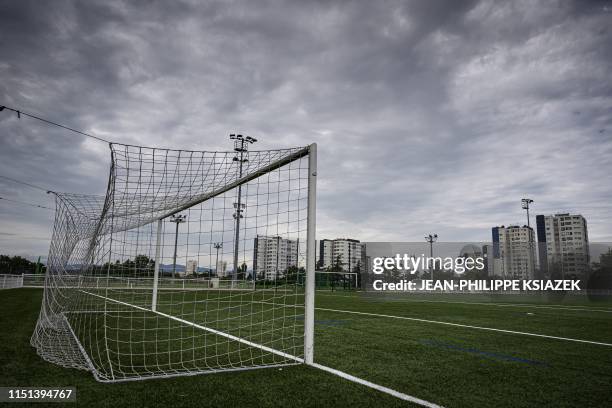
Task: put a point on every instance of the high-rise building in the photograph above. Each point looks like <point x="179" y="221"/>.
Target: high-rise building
<point x="563" y="244"/>
<point x="273" y="256"/>
<point x="345" y="251"/>
<point x="348" y="252"/>
<point x="365" y="259"/>
<point x="324" y="253"/>
<point x="513" y="252"/>
<point x="191" y="267"/>
<point x="487" y="253"/>
<point x="472" y="252"/>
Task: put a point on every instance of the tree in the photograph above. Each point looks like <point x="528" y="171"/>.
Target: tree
<point x="357" y="270"/>
<point x="337" y="266"/>
<point x="556" y="272"/>
<point x="599" y="285"/>
<point x="241" y="272"/>
<point x="605" y="260"/>
<point x="142" y="266"/>
<point x="16" y="265"/>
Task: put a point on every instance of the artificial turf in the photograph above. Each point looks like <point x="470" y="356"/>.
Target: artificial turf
<point x="449" y="365"/>
<point x="293" y="386"/>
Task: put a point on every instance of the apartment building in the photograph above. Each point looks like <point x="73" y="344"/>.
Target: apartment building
<point x="191" y="267"/>
<point x="563" y="244"/>
<point x="273" y="255"/>
<point x="344" y="250"/>
<point x="513" y="252"/>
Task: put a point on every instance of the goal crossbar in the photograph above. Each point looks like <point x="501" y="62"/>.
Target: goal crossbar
<point x="251" y="176"/>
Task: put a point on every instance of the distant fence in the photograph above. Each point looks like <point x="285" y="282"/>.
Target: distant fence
<point x="34" y="281"/>
<point x="323" y="281"/>
<point x="118" y="282"/>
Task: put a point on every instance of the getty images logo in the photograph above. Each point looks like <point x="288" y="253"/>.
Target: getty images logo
<point x="413" y="264"/>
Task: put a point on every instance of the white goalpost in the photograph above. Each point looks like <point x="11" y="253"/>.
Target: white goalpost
<point x="193" y="262"/>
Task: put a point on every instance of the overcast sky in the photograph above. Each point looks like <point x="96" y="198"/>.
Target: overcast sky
<point x="430" y="116"/>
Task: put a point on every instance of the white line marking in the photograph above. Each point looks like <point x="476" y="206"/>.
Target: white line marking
<point x="330" y="370"/>
<point x="377" y="387"/>
<point x="187" y="322"/>
<point x="455" y="324"/>
<point x="467" y="326"/>
<point x="554" y="307"/>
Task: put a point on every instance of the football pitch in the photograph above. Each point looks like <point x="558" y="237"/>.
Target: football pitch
<point x="453" y="350"/>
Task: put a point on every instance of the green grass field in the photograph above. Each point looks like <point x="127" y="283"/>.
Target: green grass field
<point x="450" y="365"/>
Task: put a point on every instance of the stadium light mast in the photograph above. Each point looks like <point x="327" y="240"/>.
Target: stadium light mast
<point x="217" y="245"/>
<point x="431" y="238"/>
<point x="241" y="147"/>
<point x="177" y="219"/>
<point x="525" y="205"/>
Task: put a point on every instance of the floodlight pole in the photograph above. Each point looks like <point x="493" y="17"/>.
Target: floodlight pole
<point x="241" y="144"/>
<point x="309" y="287"/>
<point x="157" y="260"/>
<point x="431" y="239"/>
<point x="525" y="205"/>
<point x="217" y="246"/>
<point x="178" y="219"/>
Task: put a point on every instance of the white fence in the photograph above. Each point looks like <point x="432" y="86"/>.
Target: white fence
<point x="117" y="282"/>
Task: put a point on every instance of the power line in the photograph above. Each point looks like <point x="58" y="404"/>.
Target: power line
<point x="24" y="203"/>
<point x="50" y="122"/>
<point x="17" y="236"/>
<point x="24" y="183"/>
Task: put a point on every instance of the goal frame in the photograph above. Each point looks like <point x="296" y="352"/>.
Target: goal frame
<point x="309" y="290"/>
<point x="309" y="287"/>
<point x="58" y="341"/>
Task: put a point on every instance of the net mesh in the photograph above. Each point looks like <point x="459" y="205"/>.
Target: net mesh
<point x="192" y="262"/>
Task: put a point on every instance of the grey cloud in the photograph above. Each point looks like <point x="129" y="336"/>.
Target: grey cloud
<point x="429" y="115"/>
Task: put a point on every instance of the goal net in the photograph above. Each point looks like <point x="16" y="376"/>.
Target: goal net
<point x="193" y="262"/>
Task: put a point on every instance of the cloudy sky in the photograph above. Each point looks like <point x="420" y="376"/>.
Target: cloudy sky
<point x="432" y="116"/>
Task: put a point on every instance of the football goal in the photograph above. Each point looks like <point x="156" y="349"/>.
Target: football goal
<point x="11" y="281"/>
<point x="193" y="262"/>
